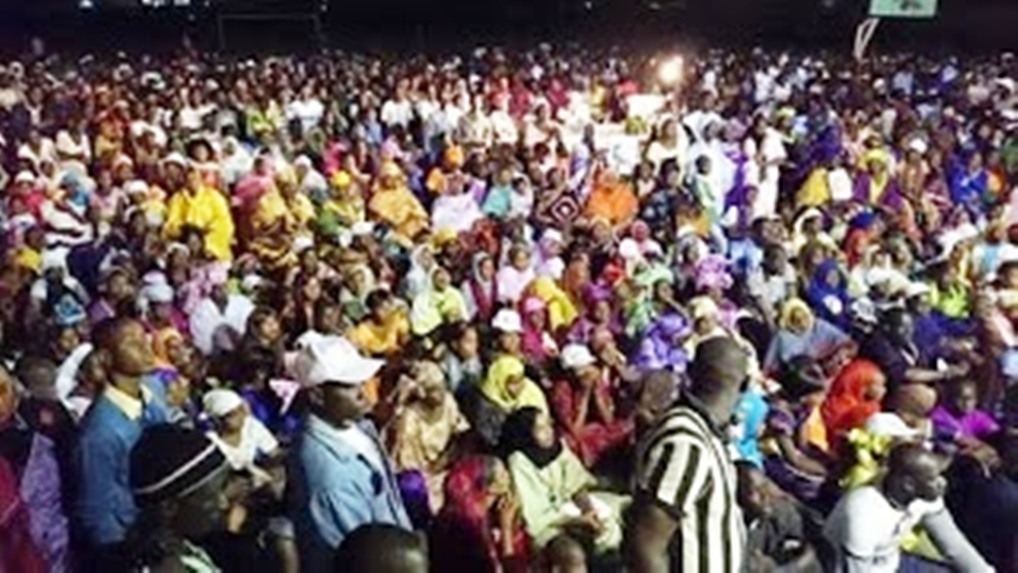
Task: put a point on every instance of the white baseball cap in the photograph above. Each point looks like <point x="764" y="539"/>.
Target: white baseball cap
<point x="890" y="425"/>
<point x="577" y="356"/>
<point x="220" y="402"/>
<point x="334" y="360"/>
<point x="507" y="320"/>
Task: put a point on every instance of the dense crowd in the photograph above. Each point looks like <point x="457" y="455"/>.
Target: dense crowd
<point x="559" y="310"/>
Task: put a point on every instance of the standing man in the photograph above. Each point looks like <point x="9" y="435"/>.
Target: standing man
<point x="869" y="523"/>
<point x="685" y="516"/>
<point x="342" y="478"/>
<point x="130" y="402"/>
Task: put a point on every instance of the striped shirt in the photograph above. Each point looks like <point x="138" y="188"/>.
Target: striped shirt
<point x="684" y="467"/>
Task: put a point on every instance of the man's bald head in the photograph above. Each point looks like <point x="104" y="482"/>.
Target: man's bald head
<point x="719" y="368"/>
<point x="914" y="472"/>
<point x="382" y="548"/>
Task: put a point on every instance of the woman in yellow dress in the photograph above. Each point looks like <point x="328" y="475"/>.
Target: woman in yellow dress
<point x="281" y="215"/>
<point x="393" y="204"/>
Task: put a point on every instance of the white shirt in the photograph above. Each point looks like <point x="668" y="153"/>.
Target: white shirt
<point x="309" y="112"/>
<point x="209" y="325"/>
<point x="504" y="127"/>
<point x="362" y="443"/>
<point x="397" y="113"/>
<point x="255" y="440"/>
<point x="867" y="531"/>
<point x="191" y="117"/>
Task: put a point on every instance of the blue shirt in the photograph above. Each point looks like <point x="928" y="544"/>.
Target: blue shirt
<point x="108" y="432"/>
<point x="336" y="488"/>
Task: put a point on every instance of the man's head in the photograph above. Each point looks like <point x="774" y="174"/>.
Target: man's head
<point x="127" y="348"/>
<point x="39" y="376"/>
<point x="333" y="374"/>
<point x="756" y="493"/>
<point x="913" y="472"/>
<point x="381" y="548"/>
<point x="178" y="475"/>
<point x="659" y="391"/>
<point x="718" y="374"/>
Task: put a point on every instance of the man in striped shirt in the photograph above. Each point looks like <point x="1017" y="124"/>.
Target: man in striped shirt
<point x="685" y="516"/>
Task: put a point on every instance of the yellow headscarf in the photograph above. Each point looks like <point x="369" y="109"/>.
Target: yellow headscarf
<point x="561" y="311"/>
<point x="788" y="309"/>
<point x="495" y="386"/>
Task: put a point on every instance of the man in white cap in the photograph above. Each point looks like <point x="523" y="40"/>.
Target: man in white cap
<point x="341" y="476"/>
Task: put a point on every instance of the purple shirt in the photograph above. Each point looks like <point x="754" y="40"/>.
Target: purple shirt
<point x="976" y="424"/>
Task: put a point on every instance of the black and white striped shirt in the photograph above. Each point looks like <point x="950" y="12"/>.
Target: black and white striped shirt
<point x="685" y="468"/>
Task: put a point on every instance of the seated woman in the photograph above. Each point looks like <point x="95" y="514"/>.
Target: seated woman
<point x="800" y="333"/>
<point x="507" y="386"/>
<point x="795" y="439"/>
<point x="959" y="417"/>
<point x="440" y="303"/>
<point x="393" y="204"/>
<point x="462" y="360"/>
<point x="479" y="528"/>
<point x="586" y="410"/>
<point x="854" y="396"/>
<point x="424" y="429"/>
<point x="538" y="344"/>
<point x="385" y="330"/>
<point x="555" y="490"/>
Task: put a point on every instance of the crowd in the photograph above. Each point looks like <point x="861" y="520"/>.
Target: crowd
<point x="554" y="310"/>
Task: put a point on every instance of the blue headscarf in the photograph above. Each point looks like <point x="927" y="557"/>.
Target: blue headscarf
<point x="830" y="302"/>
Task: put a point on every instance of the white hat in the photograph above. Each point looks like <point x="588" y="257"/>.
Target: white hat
<point x="362" y="228"/>
<point x="54" y="259"/>
<point x="220" y="402"/>
<point x="916" y="289"/>
<point x="176" y="158"/>
<point x="889" y="425"/>
<point x="629" y="249"/>
<point x="919" y="146"/>
<point x="576" y="356"/>
<point x="160" y="293"/>
<point x="334" y="360"/>
<point x="552" y="236"/>
<point x="507" y="320"/>
<point x="136" y="186"/>
<point x="24" y="177"/>
<point x="302" y="161"/>
<point x="303" y="243"/>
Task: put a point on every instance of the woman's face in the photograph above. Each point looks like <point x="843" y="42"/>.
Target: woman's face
<point x="521" y="260"/>
<point x="441" y="279"/>
<point x="833" y="278"/>
<point x="877" y="389"/>
<point x="800" y="320"/>
<point x="514" y="386"/>
<point x="433" y="392"/>
<point x="965" y="399"/>
<point x="602" y="311"/>
<point x="487" y="269"/>
<point x="537" y="319"/>
<point x="663" y="291"/>
<point x="468" y="344"/>
<point x="270" y="330"/>
<point x="510" y="342"/>
<point x="543" y="432"/>
<point x="312" y="290"/>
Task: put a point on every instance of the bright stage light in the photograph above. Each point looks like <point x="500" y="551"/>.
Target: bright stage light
<point x="670" y="70"/>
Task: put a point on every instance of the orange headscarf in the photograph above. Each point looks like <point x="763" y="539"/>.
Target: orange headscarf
<point x="612" y="200"/>
<point x="850" y="403"/>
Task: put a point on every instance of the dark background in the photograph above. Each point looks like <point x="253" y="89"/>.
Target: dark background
<point x="438" y="25"/>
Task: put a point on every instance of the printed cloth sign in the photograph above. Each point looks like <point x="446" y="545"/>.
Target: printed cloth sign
<point x="903" y="8"/>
